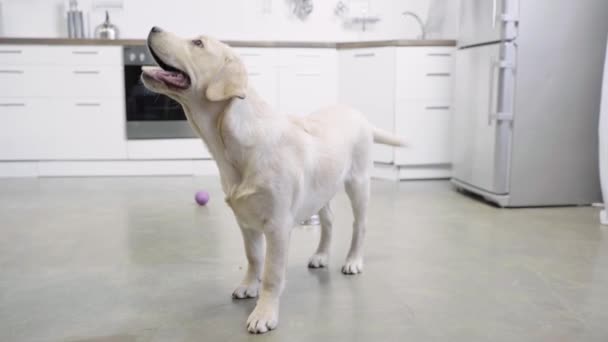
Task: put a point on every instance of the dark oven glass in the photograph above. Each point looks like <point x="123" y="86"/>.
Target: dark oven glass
<point x="144" y="105"/>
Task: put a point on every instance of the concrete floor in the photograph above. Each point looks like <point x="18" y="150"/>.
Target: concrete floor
<point x="134" y="259"/>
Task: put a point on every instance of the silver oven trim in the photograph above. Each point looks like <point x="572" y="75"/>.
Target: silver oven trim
<point x="159" y="130"/>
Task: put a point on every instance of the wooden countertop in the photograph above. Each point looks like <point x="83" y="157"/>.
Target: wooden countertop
<point x="235" y="43"/>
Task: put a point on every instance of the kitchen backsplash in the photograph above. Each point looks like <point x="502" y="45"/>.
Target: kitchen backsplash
<point x="227" y="19"/>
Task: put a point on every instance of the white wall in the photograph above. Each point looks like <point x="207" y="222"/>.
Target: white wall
<point x="225" y="19"/>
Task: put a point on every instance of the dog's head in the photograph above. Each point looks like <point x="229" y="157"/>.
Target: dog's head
<point x="199" y="68"/>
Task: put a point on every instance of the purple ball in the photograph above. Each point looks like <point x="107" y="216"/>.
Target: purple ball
<point x="201" y="197"/>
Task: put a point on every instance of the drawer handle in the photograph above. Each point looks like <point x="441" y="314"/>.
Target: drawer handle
<point x="254" y="74"/>
<point x="369" y="54"/>
<point x="88" y="104"/>
<point x="12" y="104"/>
<point x="11" y="71"/>
<point x="305" y="74"/>
<point x="250" y="55"/>
<point x="12" y="52"/>
<point x="438" y="74"/>
<point x="86" y="72"/>
<point x="85" y="52"/>
<point x="435" y="54"/>
<point x="308" y="56"/>
<point x="438" y="108"/>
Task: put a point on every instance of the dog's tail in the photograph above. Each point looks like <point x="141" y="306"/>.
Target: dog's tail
<point x="387" y="138"/>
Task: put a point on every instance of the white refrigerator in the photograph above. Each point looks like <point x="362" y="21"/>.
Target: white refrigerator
<point x="527" y="85"/>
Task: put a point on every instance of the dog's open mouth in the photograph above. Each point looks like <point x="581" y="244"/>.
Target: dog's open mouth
<point x="169" y="75"/>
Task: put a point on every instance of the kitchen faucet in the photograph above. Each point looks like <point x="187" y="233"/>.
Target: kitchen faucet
<point x="422" y="29"/>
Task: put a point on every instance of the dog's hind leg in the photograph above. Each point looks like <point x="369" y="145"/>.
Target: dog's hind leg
<point x="254" y="249"/>
<point x="357" y="189"/>
<point x="321" y="256"/>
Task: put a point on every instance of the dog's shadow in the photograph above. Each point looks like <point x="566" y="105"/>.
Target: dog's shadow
<point x="323" y="275"/>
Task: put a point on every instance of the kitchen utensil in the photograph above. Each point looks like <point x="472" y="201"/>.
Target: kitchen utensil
<point x="106" y="30"/>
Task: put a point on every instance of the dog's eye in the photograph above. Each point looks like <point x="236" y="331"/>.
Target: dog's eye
<point x="198" y="42"/>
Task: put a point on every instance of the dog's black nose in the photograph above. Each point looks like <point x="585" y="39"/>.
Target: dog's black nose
<point x="155" y="29"/>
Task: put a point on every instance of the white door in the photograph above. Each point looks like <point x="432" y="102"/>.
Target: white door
<point x="487" y="21"/>
<point x="482" y="129"/>
<point x="367" y="83"/>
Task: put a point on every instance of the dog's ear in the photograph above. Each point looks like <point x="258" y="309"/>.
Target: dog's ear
<point x="231" y="81"/>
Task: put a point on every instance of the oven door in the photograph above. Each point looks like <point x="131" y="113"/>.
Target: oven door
<point x="151" y="115"/>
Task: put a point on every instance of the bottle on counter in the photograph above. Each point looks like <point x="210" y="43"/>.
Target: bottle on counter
<point x="75" y="21"/>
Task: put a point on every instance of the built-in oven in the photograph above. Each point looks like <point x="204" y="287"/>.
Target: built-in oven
<point x="150" y="115"/>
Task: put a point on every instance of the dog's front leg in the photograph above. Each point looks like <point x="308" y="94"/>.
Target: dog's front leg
<point x="265" y="316"/>
<point x="254" y="249"/>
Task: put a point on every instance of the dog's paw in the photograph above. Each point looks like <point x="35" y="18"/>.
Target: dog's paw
<point x="353" y="266"/>
<point x="264" y="318"/>
<point x="318" y="260"/>
<point x="244" y="291"/>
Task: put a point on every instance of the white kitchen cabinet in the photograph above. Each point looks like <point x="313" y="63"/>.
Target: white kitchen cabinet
<point x="426" y="127"/>
<point x="262" y="71"/>
<point x="67" y="55"/>
<point x="159" y="149"/>
<point x="308" y="80"/>
<point x="367" y="83"/>
<point x="424" y="73"/>
<point x="62" y="103"/>
<point x="63" y="81"/>
<point x="20" y="128"/>
<point x="83" y="128"/>
<point x="407" y="91"/>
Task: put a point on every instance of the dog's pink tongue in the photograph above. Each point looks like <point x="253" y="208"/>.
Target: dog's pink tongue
<point x="176" y="79"/>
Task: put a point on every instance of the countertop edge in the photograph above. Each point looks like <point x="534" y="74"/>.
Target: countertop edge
<point x="234" y="43"/>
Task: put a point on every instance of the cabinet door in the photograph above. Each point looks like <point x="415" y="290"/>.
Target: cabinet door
<point x="306" y="89"/>
<point x="264" y="79"/>
<point x="425" y="125"/>
<point x="63" y="81"/>
<point x="262" y="70"/>
<point x="87" y="128"/>
<point x="19" y="128"/>
<point x="308" y="80"/>
<point x="367" y="83"/>
<point x="424" y="73"/>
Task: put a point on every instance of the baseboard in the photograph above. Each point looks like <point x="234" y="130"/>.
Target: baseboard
<point x="108" y="168"/>
<point x="18" y="169"/>
<point x="411" y="172"/>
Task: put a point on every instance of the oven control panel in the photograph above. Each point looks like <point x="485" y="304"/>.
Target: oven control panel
<point x="137" y="55"/>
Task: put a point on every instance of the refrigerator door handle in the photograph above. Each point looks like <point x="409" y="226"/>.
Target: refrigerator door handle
<point x="494" y="14"/>
<point x="491" y="106"/>
<point x="494" y="113"/>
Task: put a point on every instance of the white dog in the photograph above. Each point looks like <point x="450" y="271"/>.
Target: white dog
<point x="276" y="170"/>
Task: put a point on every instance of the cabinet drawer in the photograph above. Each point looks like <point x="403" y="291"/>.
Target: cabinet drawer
<point x="83" y="128"/>
<point x="307" y="89"/>
<point x="259" y="57"/>
<point x="60" y="55"/>
<point x="317" y="58"/>
<point x="265" y="81"/>
<point x="20" y="128"/>
<point x="97" y="81"/>
<point x="150" y="149"/>
<point x="424" y="73"/>
<point x="44" y="81"/>
<point x="425" y="125"/>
